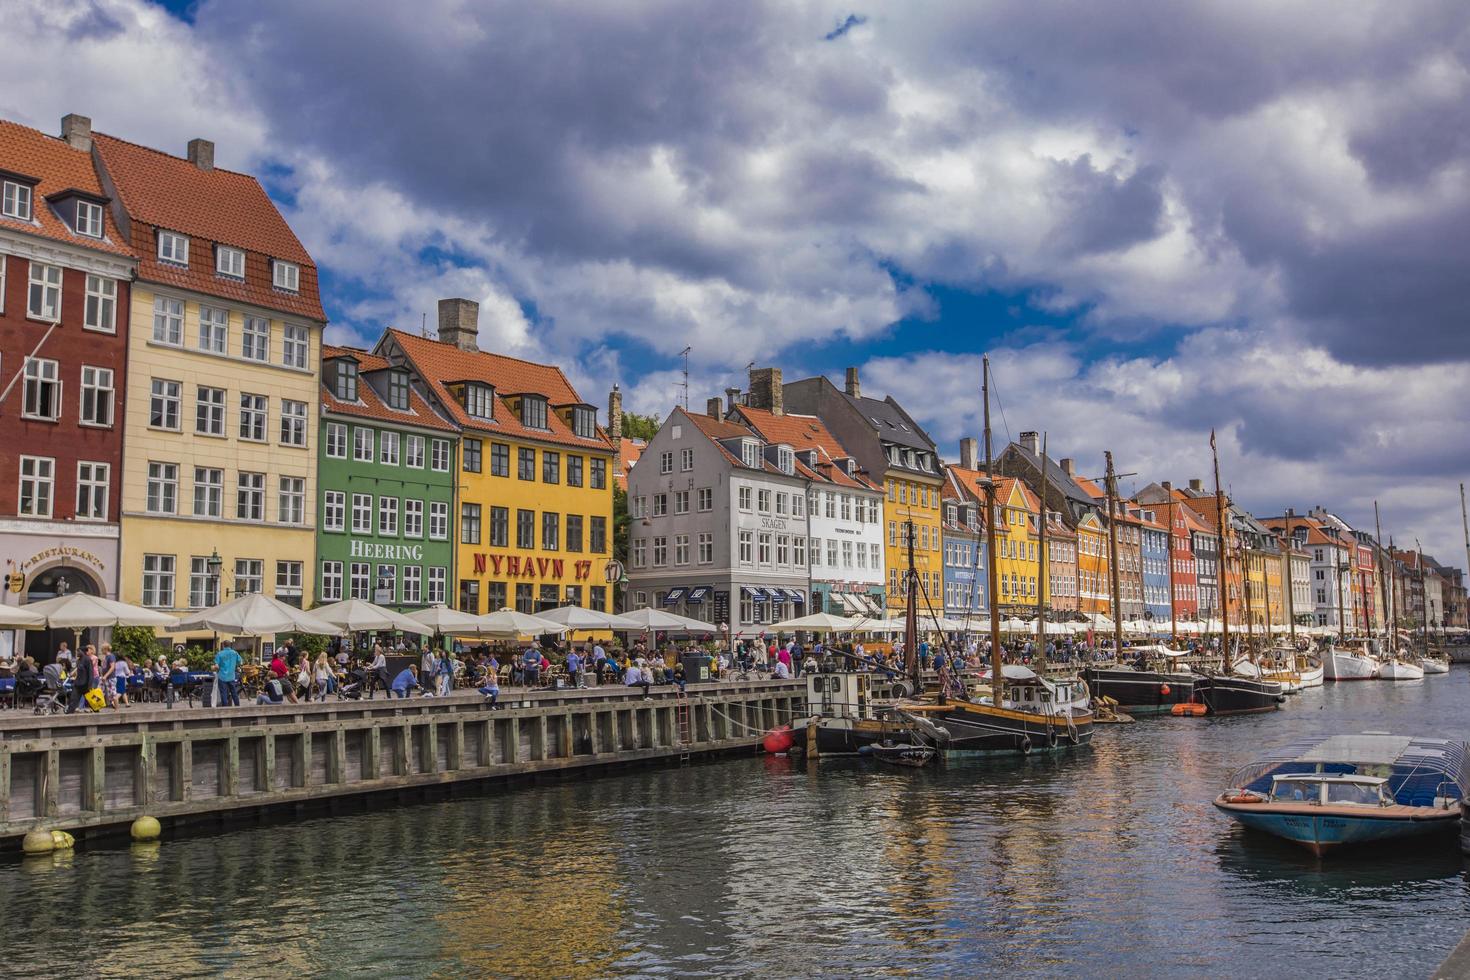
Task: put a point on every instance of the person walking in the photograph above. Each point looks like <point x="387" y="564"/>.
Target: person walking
<point x="83" y="679"/>
<point x="574" y="669"/>
<point x="444" y="673"/>
<point x="122" y="674"/>
<point x="378" y="674"/>
<point x="226" y="667"/>
<point x="322" y="675"/>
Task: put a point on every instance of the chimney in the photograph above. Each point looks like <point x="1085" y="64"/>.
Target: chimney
<point x="1197" y="484"/>
<point x="1168" y="487"/>
<point x="1069" y="467"/>
<point x="77" y="131"/>
<point x="201" y="153"/>
<point x="1031" y="442"/>
<point x="969" y="449"/>
<point x="765" y="389"/>
<point x="713" y="408"/>
<point x="732" y="398"/>
<point x="459" y="322"/>
<point x="615" y="415"/>
<point x="854" y="387"/>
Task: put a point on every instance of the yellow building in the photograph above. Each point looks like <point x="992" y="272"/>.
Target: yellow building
<point x="534" y="499"/>
<point x="1094" y="589"/>
<point x="219" y="460"/>
<point x="1016" y="562"/>
<point x="913" y="499"/>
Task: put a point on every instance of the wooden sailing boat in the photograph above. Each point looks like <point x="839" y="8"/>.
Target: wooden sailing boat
<point x="1023" y="711"/>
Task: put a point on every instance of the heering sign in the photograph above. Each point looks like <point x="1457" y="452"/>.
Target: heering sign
<point x="396" y="552"/>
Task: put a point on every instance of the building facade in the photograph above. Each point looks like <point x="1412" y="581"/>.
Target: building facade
<point x="1154" y="552"/>
<point x="387" y="468"/>
<point x="966" y="571"/>
<point x="1061" y="568"/>
<point x="535" y="472"/>
<point x="222" y="387"/>
<point x="65" y="276"/>
<point x="1094" y="588"/>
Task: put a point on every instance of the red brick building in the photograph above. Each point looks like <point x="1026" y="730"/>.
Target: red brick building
<point x="64" y="290"/>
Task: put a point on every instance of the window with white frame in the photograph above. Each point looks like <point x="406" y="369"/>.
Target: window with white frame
<point x="94" y="481"/>
<point x="163" y="488"/>
<point x="816" y="552"/>
<point x="413" y="585"/>
<point x="479" y="401"/>
<point x="681" y="501"/>
<point x="331" y="581"/>
<point x="362" y="444"/>
<point x="706" y="499"/>
<point x="158" y="581"/>
<point x="203" y="584"/>
<point x="438" y="520"/>
<point x="388" y="515"/>
<point x="743" y="497"/>
<point x="37" y="486"/>
<point x="413" y="452"/>
<point x="255" y="339"/>
<point x="686" y="460"/>
<point x="293" y="423"/>
<point x="173" y="247"/>
<point x="763" y="501"/>
<point x="681" y="549"/>
<point x="388" y="448"/>
<point x="249" y="576"/>
<point x="706" y="547"/>
<point x="334" y="511"/>
<point x="286" y="275"/>
<point x="398" y="390"/>
<point x="640" y="553"/>
<point x="295" y="345"/>
<point x="15" y="200"/>
<point x="439" y="455"/>
<point x="291" y="501"/>
<point x="336" y="440"/>
<point x="252" y="417"/>
<point x="44" y="297"/>
<point x="747" y="547"/>
<point x="288" y="581"/>
<point x="250" y="497"/>
<point x="209" y="411"/>
<point x="168" y="321"/>
<point x="97" y="396"/>
<point x="798" y="551"/>
<point x="665" y="463"/>
<point x="214" y="329"/>
<point x="42" y="395"/>
<point x="413" y="517"/>
<point x="438" y="582"/>
<point x="783" y="549"/>
<point x="660" y="551"/>
<point x="229" y="261"/>
<point x="89" y="219"/>
<point x="362" y="513"/>
<point x="100" y="312"/>
<point x="360" y="580"/>
<point x="209" y="491"/>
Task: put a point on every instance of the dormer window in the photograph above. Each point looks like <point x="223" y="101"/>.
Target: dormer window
<point x="479" y="400"/>
<point x="398" y="390"/>
<point x="346" y="385"/>
<point x="810" y="458"/>
<point x="533" y="412"/>
<point x="286" y="275"/>
<point x="229" y="261"/>
<point x="173" y="248"/>
<point x="584" y="422"/>
<point x="89" y="219"/>
<point x="750" y="452"/>
<point x="785" y="459"/>
<point x="15" y="202"/>
<point x="951" y="514"/>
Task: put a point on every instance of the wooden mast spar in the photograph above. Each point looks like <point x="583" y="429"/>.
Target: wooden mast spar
<point x="1110" y="483"/>
<point x="997" y="680"/>
<point x="1173" y="593"/>
<point x="1378" y="560"/>
<point x="1041" y="568"/>
<point x="1290" y="604"/>
<point x="1224" y="556"/>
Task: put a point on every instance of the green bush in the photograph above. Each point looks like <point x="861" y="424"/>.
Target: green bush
<point x="137" y="642"/>
<point x="199" y="657"/>
<point x="310" y="644"/>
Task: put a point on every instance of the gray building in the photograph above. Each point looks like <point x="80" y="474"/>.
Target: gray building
<point x="718" y="525"/>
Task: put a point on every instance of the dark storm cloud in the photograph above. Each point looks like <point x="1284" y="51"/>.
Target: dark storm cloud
<point x="1105" y="211"/>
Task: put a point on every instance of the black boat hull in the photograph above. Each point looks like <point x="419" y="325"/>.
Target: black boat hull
<point x="972" y="732"/>
<point x="1224" y="695"/>
<point x="1140" y="692"/>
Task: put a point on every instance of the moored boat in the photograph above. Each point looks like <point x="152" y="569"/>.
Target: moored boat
<point x="1323" y="793"/>
<point x="902" y="754"/>
<point x="1310" y="669"/>
<point x="1226" y="694"/>
<point x="1435" y="662"/>
<point x="1399" y="668"/>
<point x="1348" y="664"/>
<point x="1159" y="680"/>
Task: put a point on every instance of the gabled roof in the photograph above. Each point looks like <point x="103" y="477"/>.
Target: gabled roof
<point x="440" y="364"/>
<point x="888" y="419"/>
<point x="629" y="450"/>
<point x="169" y="192"/>
<point x="803" y="433"/>
<point x="718" y="429"/>
<point x="1054" y="474"/>
<point x="369" y="405"/>
<point x="57" y="166"/>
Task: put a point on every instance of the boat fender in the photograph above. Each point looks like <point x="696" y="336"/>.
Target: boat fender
<point x="1164" y="690"/>
<point x="1026" y="745"/>
<point x="1242" y="796"/>
<point x="1051" y="737"/>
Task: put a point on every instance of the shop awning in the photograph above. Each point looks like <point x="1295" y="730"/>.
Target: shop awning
<point x="675" y="594"/>
<point x="697" y="594"/>
<point x="796" y="596"/>
<point x="756" y="593"/>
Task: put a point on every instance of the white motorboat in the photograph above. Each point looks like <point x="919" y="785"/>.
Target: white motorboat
<point x="1396" y="668"/>
<point x="1348" y="664"/>
<point x="1435" y="662"/>
<point x="1310" y="670"/>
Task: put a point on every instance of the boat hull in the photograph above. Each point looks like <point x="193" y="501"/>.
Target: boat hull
<point x="1398" y="670"/>
<point x="976" y="729"/>
<point x="843" y="736"/>
<point x="1225" y="695"/>
<point x="1324" y="828"/>
<point x="1340" y="666"/>
<point x="1141" y="692"/>
<point x="1312" y="676"/>
<point x="1432" y="666"/>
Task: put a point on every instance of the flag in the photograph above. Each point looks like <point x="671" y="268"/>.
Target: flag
<point x="1212" y="438"/>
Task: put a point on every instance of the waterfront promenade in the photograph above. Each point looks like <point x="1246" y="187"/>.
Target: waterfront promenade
<point x="91" y="773"/>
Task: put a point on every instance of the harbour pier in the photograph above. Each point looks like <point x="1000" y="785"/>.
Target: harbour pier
<point x="91" y="774"/>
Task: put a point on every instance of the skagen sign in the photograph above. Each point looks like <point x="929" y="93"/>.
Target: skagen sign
<point x="392" y="552"/>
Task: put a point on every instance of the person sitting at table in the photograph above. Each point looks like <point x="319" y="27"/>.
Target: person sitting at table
<point x="407" y="680"/>
<point x="491" y="689"/>
<point x="273" y="693"/>
<point x="27" y="680"/>
<point x="637" y="676"/>
<point x="678" y="674"/>
<point x="279" y="670"/>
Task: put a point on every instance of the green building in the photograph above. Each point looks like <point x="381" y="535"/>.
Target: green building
<point x="386" y="485"/>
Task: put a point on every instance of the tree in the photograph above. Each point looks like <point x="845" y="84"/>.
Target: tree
<point x="643" y="427"/>
<point x="620" y="524"/>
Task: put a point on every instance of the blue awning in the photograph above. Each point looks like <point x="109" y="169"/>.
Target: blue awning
<point x="755" y="592"/>
<point x="672" y="599"/>
<point x="795" y="596"/>
<point x="697" y="594"/>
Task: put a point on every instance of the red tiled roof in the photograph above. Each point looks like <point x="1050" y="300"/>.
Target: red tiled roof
<point x="1089" y="488"/>
<point x="803" y="433"/>
<point x="369" y="405"/>
<point x="59" y="167"/>
<point x="158" y="190"/>
<point x="439" y="364"/>
<point x="629" y="450"/>
<point x="717" y="429"/>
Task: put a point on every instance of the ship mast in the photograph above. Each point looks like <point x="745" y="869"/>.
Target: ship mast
<point x="910" y="620"/>
<point x="1041" y="567"/>
<point x="1393" y="600"/>
<point x="1224" y="569"/>
<point x="1423" y="595"/>
<point x="1173" y="612"/>
<point x="1378" y="558"/>
<point x="1110" y="484"/>
<point x="997" y="681"/>
<point x="1290" y="605"/>
<point x="1465" y="522"/>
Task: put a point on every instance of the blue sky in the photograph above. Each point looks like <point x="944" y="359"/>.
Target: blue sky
<point x="1243" y="215"/>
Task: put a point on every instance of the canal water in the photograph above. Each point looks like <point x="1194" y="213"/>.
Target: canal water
<point x="1107" y="863"/>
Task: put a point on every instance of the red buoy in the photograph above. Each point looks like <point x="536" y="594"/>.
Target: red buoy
<point x="1164" y="690"/>
<point x="779" y="740"/>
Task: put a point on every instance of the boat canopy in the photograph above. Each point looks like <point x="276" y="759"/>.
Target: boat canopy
<point x="1418" y="770"/>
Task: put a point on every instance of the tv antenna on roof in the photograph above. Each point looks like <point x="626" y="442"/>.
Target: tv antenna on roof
<point x="685" y="354"/>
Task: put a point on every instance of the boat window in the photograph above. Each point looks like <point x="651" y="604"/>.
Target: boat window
<point x="1360" y="794"/>
<point x="1294" y="790"/>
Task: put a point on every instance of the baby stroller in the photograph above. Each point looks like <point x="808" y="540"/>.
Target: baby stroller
<point x="51" y="700"/>
<point x="355" y="686"/>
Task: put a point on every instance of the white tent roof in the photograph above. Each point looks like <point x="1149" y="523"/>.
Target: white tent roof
<point x="816" y="623"/>
<point x="578" y="618"/>
<point x="508" y="622"/>
<point x="358" y="615"/>
<point x="658" y="619"/>
<point x="80" y="610"/>
<point x="256" y="615"/>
